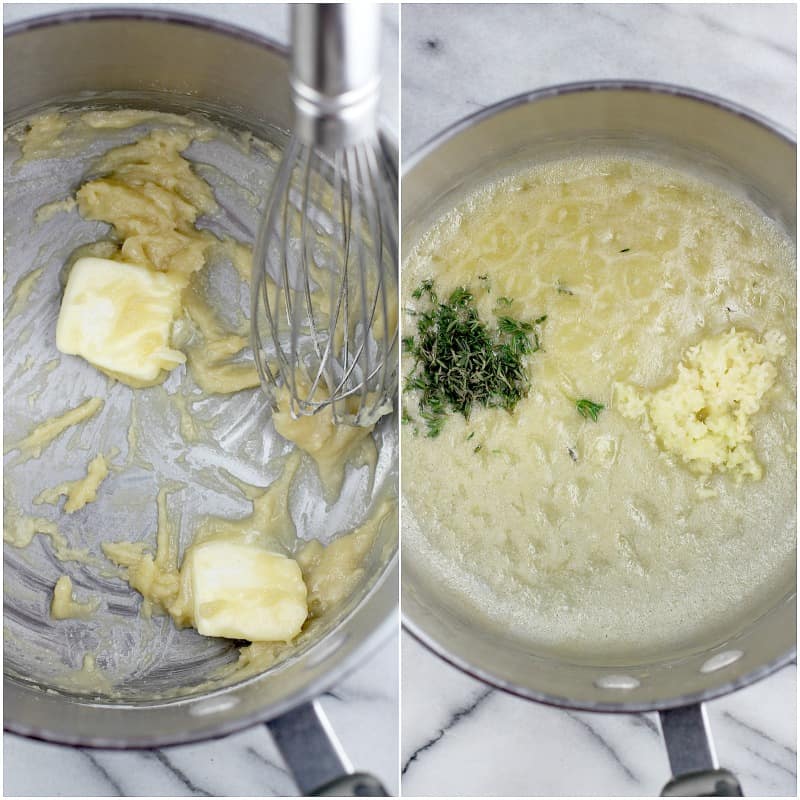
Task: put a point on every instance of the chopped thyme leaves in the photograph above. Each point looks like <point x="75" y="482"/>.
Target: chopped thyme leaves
<point x="424" y="287"/>
<point x="434" y="422"/>
<point x="461" y="297"/>
<point x="587" y="408"/>
<point x="459" y="362"/>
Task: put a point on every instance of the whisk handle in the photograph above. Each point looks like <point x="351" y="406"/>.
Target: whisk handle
<point x="335" y="75"/>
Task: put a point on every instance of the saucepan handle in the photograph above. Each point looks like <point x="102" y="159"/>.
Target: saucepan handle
<point x="316" y="759"/>
<point x="695" y="771"/>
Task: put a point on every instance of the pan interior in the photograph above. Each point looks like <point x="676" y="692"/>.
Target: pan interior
<point x="142" y="660"/>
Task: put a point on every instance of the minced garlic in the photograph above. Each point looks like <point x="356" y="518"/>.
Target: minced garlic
<point x="704" y="415"/>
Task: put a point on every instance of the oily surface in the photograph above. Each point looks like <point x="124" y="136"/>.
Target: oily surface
<point x="194" y="455"/>
<point x="586" y="535"/>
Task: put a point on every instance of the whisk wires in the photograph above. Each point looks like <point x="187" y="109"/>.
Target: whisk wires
<point x="325" y="283"/>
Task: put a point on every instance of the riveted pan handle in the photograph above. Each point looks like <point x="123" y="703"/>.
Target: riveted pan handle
<point x="692" y="759"/>
<point x="315" y="758"/>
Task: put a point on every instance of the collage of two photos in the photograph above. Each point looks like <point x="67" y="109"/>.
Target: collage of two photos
<point x="399" y="399"/>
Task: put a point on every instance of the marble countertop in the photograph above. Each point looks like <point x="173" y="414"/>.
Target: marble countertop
<point x="362" y="708"/>
<point x="458" y="736"/>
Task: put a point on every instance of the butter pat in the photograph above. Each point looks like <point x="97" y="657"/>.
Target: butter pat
<point x="241" y="591"/>
<point x="118" y="317"/>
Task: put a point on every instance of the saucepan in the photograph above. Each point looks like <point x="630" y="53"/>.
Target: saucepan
<point x="740" y="149"/>
<point x="180" y="64"/>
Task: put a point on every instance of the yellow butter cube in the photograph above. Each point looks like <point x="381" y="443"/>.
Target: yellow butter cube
<point x="241" y="591"/>
<point x="119" y="317"/>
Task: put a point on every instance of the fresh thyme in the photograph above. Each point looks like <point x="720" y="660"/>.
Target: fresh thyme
<point x="586" y="408"/>
<point x="425" y="286"/>
<point x="459" y="362"/>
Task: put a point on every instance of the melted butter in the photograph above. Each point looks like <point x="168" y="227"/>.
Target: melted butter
<point x="155" y="577"/>
<point x="188" y="424"/>
<point x="49" y="210"/>
<point x="89" y="679"/>
<point x="42" y="138"/>
<point x="582" y="535"/>
<point x="152" y="198"/>
<point x="128" y="117"/>
<point x="22" y="291"/>
<point x="209" y="352"/>
<point x="269" y="524"/>
<point x="19" y="530"/>
<point x="331" y="446"/>
<point x="331" y="573"/>
<point x="78" y="492"/>
<point x="42" y="435"/>
<point x="64" y="604"/>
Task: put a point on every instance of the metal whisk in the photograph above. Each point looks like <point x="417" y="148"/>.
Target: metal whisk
<point x="325" y="269"/>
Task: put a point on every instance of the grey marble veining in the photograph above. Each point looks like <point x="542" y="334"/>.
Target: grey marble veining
<point x="362" y="708"/>
<point x="458" y="59"/>
<point x="458" y="736"/>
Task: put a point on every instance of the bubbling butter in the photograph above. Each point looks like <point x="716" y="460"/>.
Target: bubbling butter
<point x="581" y="535"/>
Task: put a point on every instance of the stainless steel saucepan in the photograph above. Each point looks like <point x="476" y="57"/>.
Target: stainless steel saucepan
<point x="174" y="63"/>
<point x="697" y="131"/>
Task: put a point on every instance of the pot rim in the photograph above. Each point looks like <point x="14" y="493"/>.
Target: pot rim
<point x="150" y="14"/>
<point x="622" y="707"/>
<point x="378" y="634"/>
<point x="421" y="153"/>
<point x="576" y="87"/>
